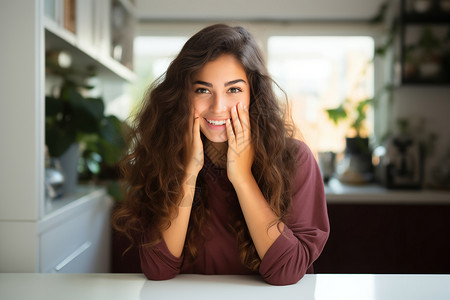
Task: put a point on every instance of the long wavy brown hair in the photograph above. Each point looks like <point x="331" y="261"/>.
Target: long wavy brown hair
<point x="153" y="168"/>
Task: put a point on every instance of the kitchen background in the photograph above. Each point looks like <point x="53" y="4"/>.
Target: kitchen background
<point x="74" y="70"/>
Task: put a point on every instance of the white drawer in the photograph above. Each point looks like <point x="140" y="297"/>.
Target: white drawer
<point x="79" y="243"/>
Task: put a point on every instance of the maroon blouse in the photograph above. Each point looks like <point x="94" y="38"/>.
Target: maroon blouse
<point x="287" y="260"/>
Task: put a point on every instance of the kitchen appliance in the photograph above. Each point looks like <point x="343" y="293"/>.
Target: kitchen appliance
<point x="403" y="163"/>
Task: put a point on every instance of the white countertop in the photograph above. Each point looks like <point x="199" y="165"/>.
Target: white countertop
<point x="337" y="192"/>
<point x="187" y="287"/>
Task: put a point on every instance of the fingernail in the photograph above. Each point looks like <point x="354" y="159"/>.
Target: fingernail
<point x="240" y="105"/>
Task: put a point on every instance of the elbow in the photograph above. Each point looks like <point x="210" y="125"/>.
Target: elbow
<point x="284" y="281"/>
<point x="157" y="272"/>
<point x="157" y="267"/>
<point x="286" y="275"/>
<point x="280" y="281"/>
<point x="158" y="276"/>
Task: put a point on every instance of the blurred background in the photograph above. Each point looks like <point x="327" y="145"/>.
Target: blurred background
<point x="367" y="84"/>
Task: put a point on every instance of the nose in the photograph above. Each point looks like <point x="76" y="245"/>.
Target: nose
<point x="218" y="104"/>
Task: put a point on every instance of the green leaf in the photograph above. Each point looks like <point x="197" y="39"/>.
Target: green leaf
<point x="93" y="162"/>
<point x="337" y="114"/>
<point x="380" y="51"/>
<point x="361" y="114"/>
<point x="53" y="107"/>
<point x="115" y="191"/>
<point x="111" y="153"/>
<point x="362" y="105"/>
<point x="95" y="107"/>
<point x="58" y="140"/>
<point x="111" y="131"/>
<point x="112" y="143"/>
<point x="85" y="114"/>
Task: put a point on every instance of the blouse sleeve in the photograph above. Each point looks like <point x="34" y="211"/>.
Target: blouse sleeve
<point x="306" y="230"/>
<point x="157" y="262"/>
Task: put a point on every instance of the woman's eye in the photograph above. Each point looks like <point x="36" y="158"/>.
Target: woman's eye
<point x="201" y="91"/>
<point x="235" y="90"/>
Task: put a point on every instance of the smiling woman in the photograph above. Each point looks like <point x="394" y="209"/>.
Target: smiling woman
<point x="216" y="182"/>
<point x="215" y="93"/>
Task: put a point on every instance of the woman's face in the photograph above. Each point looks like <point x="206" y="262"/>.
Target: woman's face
<point x="217" y="87"/>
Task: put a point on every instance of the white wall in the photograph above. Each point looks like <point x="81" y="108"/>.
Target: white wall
<point x="21" y="108"/>
<point x="256" y="9"/>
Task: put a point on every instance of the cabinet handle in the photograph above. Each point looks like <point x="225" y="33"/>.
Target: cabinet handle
<point x="72" y="256"/>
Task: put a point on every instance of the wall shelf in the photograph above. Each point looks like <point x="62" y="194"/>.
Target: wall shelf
<point x="83" y="56"/>
<point x="424" y="44"/>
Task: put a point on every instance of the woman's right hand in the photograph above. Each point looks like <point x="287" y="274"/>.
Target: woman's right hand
<point x="194" y="148"/>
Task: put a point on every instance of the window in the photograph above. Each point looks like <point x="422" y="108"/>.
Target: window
<point x="318" y="73"/>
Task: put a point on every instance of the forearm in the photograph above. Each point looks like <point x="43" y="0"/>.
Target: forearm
<point x="261" y="221"/>
<point x="175" y="235"/>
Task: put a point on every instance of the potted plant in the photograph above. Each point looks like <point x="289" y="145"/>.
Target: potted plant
<point x="356" y="167"/>
<point x="76" y="125"/>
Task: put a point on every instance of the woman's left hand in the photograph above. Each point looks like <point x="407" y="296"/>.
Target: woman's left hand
<point x="240" y="153"/>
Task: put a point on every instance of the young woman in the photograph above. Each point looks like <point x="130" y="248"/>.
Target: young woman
<point x="216" y="182"/>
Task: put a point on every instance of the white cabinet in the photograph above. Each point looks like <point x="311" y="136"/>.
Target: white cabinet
<point x="38" y="234"/>
<point x="76" y="239"/>
<point x="74" y="236"/>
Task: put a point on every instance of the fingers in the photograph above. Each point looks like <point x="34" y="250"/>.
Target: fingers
<point x="240" y="153"/>
<point x="238" y="130"/>
<point x="236" y="122"/>
<point x="195" y="147"/>
<point x="241" y="122"/>
<point x="189" y="133"/>
<point x="234" y="128"/>
<point x="230" y="132"/>
<point x="238" y="127"/>
<point x="196" y="129"/>
<point x="245" y="120"/>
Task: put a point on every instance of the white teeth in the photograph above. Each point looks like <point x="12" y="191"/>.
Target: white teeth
<point x="213" y="122"/>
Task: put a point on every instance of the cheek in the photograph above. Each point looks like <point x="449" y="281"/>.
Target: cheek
<point x="198" y="105"/>
<point x="246" y="100"/>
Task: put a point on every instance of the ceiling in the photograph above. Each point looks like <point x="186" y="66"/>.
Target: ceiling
<point x="256" y="10"/>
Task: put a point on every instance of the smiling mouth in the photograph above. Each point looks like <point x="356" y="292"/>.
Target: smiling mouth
<point x="216" y="122"/>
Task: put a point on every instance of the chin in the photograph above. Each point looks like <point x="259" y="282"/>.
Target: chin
<point x="215" y="138"/>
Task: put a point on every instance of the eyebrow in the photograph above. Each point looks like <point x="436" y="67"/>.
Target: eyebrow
<point x="234" y="82"/>
<point x="226" y="83"/>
